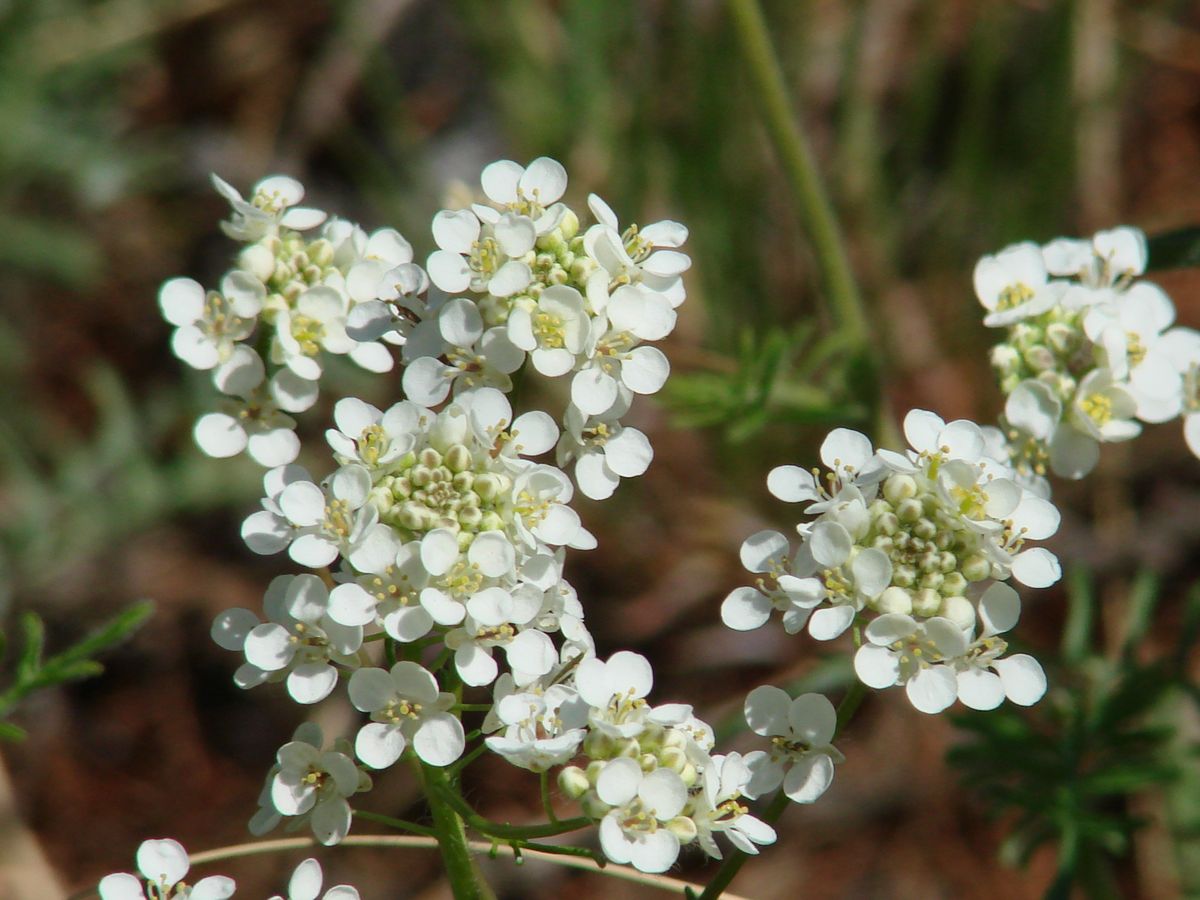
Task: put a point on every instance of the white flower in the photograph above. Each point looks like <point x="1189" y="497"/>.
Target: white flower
<point x="1182" y="346"/>
<point x="554" y="329"/>
<point x="208" y="325"/>
<point x="604" y="450"/>
<point x="529" y="192"/>
<point x="484" y="258"/>
<point x="1013" y="285"/>
<point x="305" y="884"/>
<point x="257" y="423"/>
<point x="366" y="436"/>
<point x="616" y="690"/>
<point x="301" y="638"/>
<point x="268" y="530"/>
<point x="475" y="358"/>
<point x="272" y="204"/>
<point x="542" y="728"/>
<point x="801" y="757"/>
<point x="1019" y="678"/>
<point x="1104" y="409"/>
<point x="163" y="863"/>
<point x="498" y="618"/>
<point x="390" y="591"/>
<point x="406" y="708"/>
<point x="634" y="830"/>
<point x="725" y="779"/>
<point x="318" y="322"/>
<point x="329" y="519"/>
<point x="648" y="256"/>
<point x="1129" y="336"/>
<point x="747" y="608"/>
<point x="919" y="655"/>
<point x="314" y="783"/>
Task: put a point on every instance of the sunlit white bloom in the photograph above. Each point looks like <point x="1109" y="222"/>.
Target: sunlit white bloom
<point x="554" y="329"/>
<point x="635" y="829"/>
<point x="209" y="324"/>
<point x="746" y="608"/>
<point x="305" y="884"/>
<point x="1013" y="285"/>
<point x="616" y="690"/>
<point x="716" y="808"/>
<point x="529" y="191"/>
<point x="370" y="438"/>
<point x="163" y="863"/>
<point x="328" y="519"/>
<point x="256" y="422"/>
<point x="648" y="256"/>
<point x="475" y="358"/>
<point x="318" y="322"/>
<point x="316" y="783"/>
<point x="273" y="203"/>
<point x="498" y="618"/>
<point x="1104" y="409"/>
<point x="487" y="258"/>
<point x="1019" y="677"/>
<point x="406" y="709"/>
<point x="268" y="531"/>
<point x="299" y="639"/>
<point x="1129" y="335"/>
<point x="604" y="451"/>
<point x="801" y="756"/>
<point x="900" y="650"/>
<point x="542" y="728"/>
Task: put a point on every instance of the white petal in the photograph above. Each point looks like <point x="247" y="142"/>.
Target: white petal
<point x="1023" y="679"/>
<point x="766" y="710"/>
<point x="439" y="551"/>
<point x="440" y="739"/>
<point x="809" y="778"/>
<point x="512" y="277"/>
<point x="618" y="781"/>
<point x="460" y="322"/>
<point x="829" y="544"/>
<point x="932" y="690"/>
<point x="1036" y="568"/>
<point x="162" y="860"/>
<point x="181" y="301"/>
<point x="745" y="609"/>
<point x="492" y="553"/>
<point x="312" y="682"/>
<point x="762" y="550"/>
<point x="999" y="609"/>
<point x="455" y="230"/>
<point x="812" y="718"/>
<point x="792" y="484"/>
<point x="978" y="689"/>
<point x="220" y="436"/>
<point x="645" y="371"/>
<point x="628" y="453"/>
<point x="544" y="180"/>
<point x="829" y="622"/>
<point x="876" y="667"/>
<point x="305" y="882"/>
<point x="379" y="745"/>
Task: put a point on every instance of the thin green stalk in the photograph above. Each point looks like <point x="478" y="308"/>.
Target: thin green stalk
<point x="465" y="879"/>
<point x="815" y="212"/>
<point x="544" y="784"/>
<point x="799" y="165"/>
<point x="512" y="832"/>
<point x="392" y="822"/>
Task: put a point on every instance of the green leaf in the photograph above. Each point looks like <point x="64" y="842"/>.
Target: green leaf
<point x="1081" y="603"/>
<point x="31" y="654"/>
<point x="11" y="732"/>
<point x="1143" y="600"/>
<point x="113" y="632"/>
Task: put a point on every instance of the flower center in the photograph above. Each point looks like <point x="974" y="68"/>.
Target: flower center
<point x="1098" y="408"/>
<point x="1013" y="296"/>
<point x="308" y="333"/>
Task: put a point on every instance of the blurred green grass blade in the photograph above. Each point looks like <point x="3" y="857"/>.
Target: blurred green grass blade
<point x="1143" y="601"/>
<point x="1179" y="249"/>
<point x="1081" y="604"/>
<point x="48" y="247"/>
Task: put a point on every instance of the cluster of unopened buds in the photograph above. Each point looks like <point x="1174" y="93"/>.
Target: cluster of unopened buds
<point x="434" y="551"/>
<point x="1090" y="353"/>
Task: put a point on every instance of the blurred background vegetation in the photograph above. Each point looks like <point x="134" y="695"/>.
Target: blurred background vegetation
<point x="944" y="128"/>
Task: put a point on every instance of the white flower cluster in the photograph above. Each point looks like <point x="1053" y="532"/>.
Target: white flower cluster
<point x="1090" y="352"/>
<point x="918" y="543"/>
<point x="439" y="534"/>
<point x="163" y="864"/>
<point x="650" y="778"/>
<point x="294" y="295"/>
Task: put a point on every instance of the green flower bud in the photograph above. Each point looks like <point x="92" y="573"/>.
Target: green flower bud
<point x="1039" y="357"/>
<point x="420" y="476"/>
<point x="683" y="828"/>
<point x="888" y="523"/>
<point x="430" y="458"/>
<point x="487" y="486"/>
<point x="904" y="576"/>
<point x="462" y="482"/>
<point x="598" y="746"/>
<point x="954" y="583"/>
<point x="909" y="510"/>
<point x="926" y="602"/>
<point x="593" y="807"/>
<point x="925" y="529"/>
<point x="976" y="567"/>
<point x="458" y="458"/>
<point x="932" y="580"/>
<point x="568" y="225"/>
<point x="573" y="782"/>
<point x="673" y="758"/>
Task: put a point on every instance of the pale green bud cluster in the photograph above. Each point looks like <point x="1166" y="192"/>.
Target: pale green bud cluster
<point x="1051" y="348"/>
<point x="288" y="264"/>
<point x="934" y="555"/>
<point x="454" y="489"/>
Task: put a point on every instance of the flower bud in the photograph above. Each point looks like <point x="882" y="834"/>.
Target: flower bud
<point x="429" y="458"/>
<point x="932" y="580"/>
<point x="909" y="510"/>
<point x="894" y="600"/>
<point x="648" y="762"/>
<point x="673" y="758"/>
<point x="958" y="610"/>
<point x="683" y="828"/>
<point x="491" y="521"/>
<point x="925" y="529"/>
<point x="1005" y="358"/>
<point x="1062" y="338"/>
<point x="487" y="486"/>
<point x="976" y="567"/>
<point x="1039" y="357"/>
<point x="904" y="576"/>
<point x="627" y="747"/>
<point x="593" y="807"/>
<point x="573" y="782"/>
<point x="899" y="487"/>
<point x="420" y="476"/>
<point x="926" y="602"/>
<point x="458" y="458"/>
<point x="888" y="523"/>
<point x="258" y="261"/>
<point x="598" y="746"/>
<point x="463" y="482"/>
<point x="954" y="583"/>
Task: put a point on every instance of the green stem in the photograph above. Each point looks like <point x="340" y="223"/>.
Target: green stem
<point x="391" y="822"/>
<point x="799" y="165"/>
<point x="513" y="832"/>
<point x="816" y="214"/>
<point x="547" y="805"/>
<point x="734" y="862"/>
<point x="464" y="877"/>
